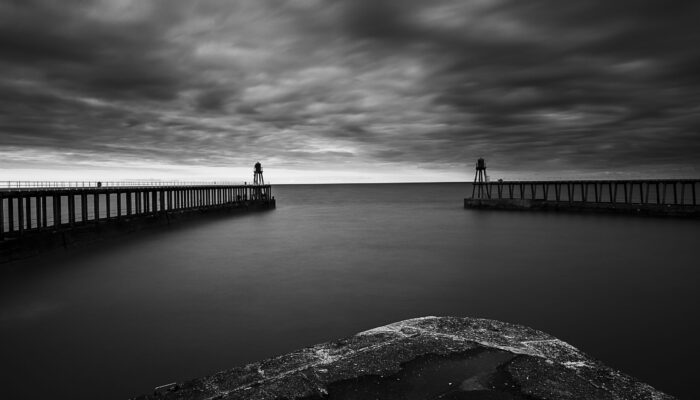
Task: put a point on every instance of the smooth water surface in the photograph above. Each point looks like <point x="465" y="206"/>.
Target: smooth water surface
<point x="114" y="320"/>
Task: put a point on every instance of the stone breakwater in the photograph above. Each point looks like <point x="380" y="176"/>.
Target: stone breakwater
<point x="424" y="358"/>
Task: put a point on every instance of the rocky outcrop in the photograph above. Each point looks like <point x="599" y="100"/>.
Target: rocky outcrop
<point x="424" y="358"/>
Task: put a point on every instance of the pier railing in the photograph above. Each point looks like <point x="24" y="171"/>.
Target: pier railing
<point x="30" y="209"/>
<point x="95" y="184"/>
<point x="675" y="192"/>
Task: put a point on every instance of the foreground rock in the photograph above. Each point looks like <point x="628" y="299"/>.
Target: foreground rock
<point x="424" y="358"/>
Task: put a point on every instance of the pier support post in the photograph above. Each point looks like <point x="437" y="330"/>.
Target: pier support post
<point x="108" y="209"/>
<point x="2" y="217"/>
<point x="10" y="214"/>
<point x="658" y="195"/>
<point x="663" y="195"/>
<point x="119" y="204"/>
<point x="682" y="193"/>
<point x="57" y="210"/>
<point x="83" y="207"/>
<point x="675" y="194"/>
<point x="596" y="193"/>
<point x="96" y="206"/>
<point x="545" y="191"/>
<point x="646" y="200"/>
<point x="28" y="201"/>
<point x="37" y="209"/>
<point x="44" y="218"/>
<point x="71" y="208"/>
<point x="20" y="215"/>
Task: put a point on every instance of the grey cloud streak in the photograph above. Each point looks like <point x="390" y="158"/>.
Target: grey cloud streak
<point x="590" y="86"/>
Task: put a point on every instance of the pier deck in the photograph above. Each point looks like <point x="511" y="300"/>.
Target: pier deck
<point x="658" y="197"/>
<point x="30" y="215"/>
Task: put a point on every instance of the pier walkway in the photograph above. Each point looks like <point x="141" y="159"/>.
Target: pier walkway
<point x="32" y="211"/>
<point x="669" y="197"/>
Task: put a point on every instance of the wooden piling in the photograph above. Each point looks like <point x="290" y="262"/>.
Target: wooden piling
<point x="28" y="202"/>
<point x="71" y="208"/>
<point x="26" y="211"/>
<point x="128" y="203"/>
<point x="37" y="209"/>
<point x="96" y="207"/>
<point x="20" y="215"/>
<point x="10" y="214"/>
<point x="2" y="217"/>
<point x="634" y="192"/>
<point x="83" y="207"/>
<point x="44" y="208"/>
<point x="56" y="210"/>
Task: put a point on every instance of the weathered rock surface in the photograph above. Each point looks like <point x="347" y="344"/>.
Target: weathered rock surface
<point x="424" y="358"/>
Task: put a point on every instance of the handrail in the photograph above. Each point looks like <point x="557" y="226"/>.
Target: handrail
<point x="121" y="183"/>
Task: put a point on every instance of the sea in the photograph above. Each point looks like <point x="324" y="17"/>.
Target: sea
<point x="115" y="319"/>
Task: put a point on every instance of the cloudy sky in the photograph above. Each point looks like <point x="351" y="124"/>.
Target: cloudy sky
<point x="348" y="90"/>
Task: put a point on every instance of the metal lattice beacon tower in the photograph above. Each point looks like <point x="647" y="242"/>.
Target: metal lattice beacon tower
<point x="480" y="178"/>
<point x="257" y="175"/>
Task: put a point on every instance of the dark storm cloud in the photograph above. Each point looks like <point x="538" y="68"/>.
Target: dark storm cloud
<point x="72" y="50"/>
<point x="589" y="85"/>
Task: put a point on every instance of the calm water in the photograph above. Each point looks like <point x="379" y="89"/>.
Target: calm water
<point x="114" y="320"/>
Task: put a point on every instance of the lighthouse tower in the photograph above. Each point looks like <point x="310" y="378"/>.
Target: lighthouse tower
<point x="258" y="175"/>
<point x="480" y="178"/>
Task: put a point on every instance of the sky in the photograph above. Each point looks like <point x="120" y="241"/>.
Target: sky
<point x="348" y="90"/>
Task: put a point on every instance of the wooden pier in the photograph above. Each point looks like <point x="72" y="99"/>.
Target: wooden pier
<point x="660" y="197"/>
<point x="29" y="215"/>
